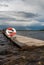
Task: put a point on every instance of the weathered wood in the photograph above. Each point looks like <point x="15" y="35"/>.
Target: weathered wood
<point x="22" y="41"/>
<point x="18" y="42"/>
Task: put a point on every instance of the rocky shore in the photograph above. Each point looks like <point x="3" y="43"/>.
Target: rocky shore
<point x="12" y="55"/>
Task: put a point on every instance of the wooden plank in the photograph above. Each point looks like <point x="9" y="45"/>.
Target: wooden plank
<point x="22" y="41"/>
<point x="18" y="42"/>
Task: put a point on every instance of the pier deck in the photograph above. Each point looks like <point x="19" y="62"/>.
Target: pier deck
<point x="22" y="41"/>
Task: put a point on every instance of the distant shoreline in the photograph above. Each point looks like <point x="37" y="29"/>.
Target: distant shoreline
<point x="30" y="30"/>
<point x="27" y="30"/>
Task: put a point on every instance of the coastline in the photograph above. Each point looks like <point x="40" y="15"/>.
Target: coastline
<point x="11" y="55"/>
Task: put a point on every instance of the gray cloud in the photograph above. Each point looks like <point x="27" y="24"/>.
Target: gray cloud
<point x="14" y="16"/>
<point x="38" y="4"/>
<point x="28" y="15"/>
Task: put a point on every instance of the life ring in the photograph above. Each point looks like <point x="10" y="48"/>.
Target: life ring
<point x="10" y="32"/>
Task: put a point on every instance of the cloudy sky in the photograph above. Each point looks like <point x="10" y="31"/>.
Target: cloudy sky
<point x="27" y="13"/>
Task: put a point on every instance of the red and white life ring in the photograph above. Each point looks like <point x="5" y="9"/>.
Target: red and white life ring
<point x="10" y="32"/>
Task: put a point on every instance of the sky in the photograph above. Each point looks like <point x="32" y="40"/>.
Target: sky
<point x="22" y="13"/>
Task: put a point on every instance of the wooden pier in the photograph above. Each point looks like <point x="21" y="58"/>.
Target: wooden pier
<point x="23" y="41"/>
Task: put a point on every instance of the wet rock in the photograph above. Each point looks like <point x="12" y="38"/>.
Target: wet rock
<point x="12" y="55"/>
